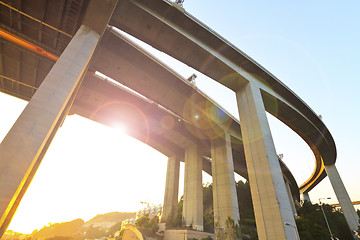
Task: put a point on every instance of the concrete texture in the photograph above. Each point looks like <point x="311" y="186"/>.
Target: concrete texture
<point x="185" y="38"/>
<point x="270" y="199"/>
<point x="193" y="195"/>
<point x="305" y="197"/>
<point x="26" y="143"/>
<point x="171" y="188"/>
<point x="347" y="207"/>
<point x="180" y="35"/>
<point x="186" y="234"/>
<point x="291" y="199"/>
<point x="224" y="189"/>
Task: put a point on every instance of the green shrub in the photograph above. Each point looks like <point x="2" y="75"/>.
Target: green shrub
<point x="145" y="222"/>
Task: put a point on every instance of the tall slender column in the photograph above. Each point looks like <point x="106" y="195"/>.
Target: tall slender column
<point x="24" y="146"/>
<point x="305" y="197"/>
<point x="171" y="188"/>
<point x="224" y="189"/>
<point x="348" y="209"/>
<point x="271" y="203"/>
<point x="193" y="195"/>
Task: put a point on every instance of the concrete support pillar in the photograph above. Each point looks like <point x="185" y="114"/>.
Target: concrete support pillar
<point x="193" y="195"/>
<point x="25" y="145"/>
<point x="305" y="197"/>
<point x="292" y="202"/>
<point x="171" y="189"/>
<point x="224" y="189"/>
<point x="271" y="202"/>
<point x="348" y="209"/>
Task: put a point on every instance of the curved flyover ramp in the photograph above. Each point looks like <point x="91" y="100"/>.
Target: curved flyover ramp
<point x="183" y="37"/>
<point x="180" y="35"/>
<point x="170" y="29"/>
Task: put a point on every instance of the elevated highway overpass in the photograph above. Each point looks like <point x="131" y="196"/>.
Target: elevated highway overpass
<point x="185" y="118"/>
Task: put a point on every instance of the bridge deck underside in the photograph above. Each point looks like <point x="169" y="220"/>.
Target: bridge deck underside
<point x="22" y="72"/>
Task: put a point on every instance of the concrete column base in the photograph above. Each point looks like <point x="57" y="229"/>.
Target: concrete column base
<point x="186" y="234"/>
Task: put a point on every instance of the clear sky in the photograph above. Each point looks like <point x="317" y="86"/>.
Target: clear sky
<point x="312" y="47"/>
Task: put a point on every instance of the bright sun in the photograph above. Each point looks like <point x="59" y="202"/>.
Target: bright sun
<point x="91" y="169"/>
<point x="120" y="129"/>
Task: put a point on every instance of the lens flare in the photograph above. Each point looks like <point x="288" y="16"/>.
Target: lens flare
<point x="206" y="120"/>
<point x="114" y="108"/>
<point x="167" y="122"/>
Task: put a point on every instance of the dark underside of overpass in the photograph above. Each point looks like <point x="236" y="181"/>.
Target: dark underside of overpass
<point x="35" y="33"/>
<point x="157" y="105"/>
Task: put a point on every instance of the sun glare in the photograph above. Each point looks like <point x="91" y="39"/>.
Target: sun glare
<point x="91" y="169"/>
<point x="120" y="129"/>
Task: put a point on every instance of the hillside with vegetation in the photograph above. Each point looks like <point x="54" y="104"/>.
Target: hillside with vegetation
<point x="65" y="229"/>
<point x="111" y="217"/>
<point x="310" y="221"/>
<point x="102" y="225"/>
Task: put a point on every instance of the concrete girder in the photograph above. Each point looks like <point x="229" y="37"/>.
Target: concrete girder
<point x="118" y="58"/>
<point x="102" y="102"/>
<point x="240" y="168"/>
<point x="88" y="102"/>
<point x="188" y="40"/>
<point x="296" y="122"/>
<point x="130" y="56"/>
<point x="173" y="136"/>
<point x="10" y="53"/>
<point x="236" y="143"/>
<point x="95" y="93"/>
<point x="112" y="94"/>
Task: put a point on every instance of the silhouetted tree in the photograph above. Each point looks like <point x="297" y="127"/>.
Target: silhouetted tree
<point x="311" y="223"/>
<point x="208" y="197"/>
<point x="151" y="224"/>
<point x="247" y="223"/>
<point x="208" y="212"/>
<point x="246" y="208"/>
<point x="175" y="221"/>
